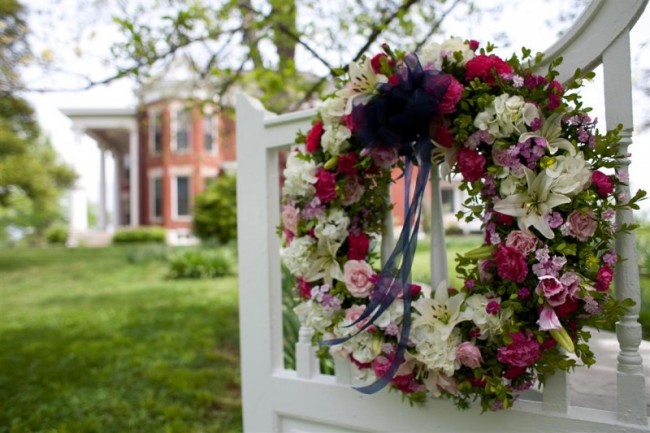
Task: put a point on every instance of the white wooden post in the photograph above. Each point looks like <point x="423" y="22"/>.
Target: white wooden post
<point x="134" y="178"/>
<point x="438" y="251"/>
<point x="618" y="102"/>
<point x="101" y="206"/>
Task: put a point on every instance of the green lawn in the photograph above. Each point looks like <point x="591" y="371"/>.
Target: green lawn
<point x="91" y="343"/>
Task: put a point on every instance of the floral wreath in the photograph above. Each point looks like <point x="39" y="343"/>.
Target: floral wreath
<point x="534" y="169"/>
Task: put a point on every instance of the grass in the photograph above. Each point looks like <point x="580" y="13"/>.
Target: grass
<point x="93" y="344"/>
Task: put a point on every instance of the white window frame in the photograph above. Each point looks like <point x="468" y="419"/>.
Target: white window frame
<point x="153" y="115"/>
<point x="176" y="172"/>
<point x="215" y="133"/>
<point x="176" y="109"/>
<point x="154" y="175"/>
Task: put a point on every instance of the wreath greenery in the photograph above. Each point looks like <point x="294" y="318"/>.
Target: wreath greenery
<point x="537" y="174"/>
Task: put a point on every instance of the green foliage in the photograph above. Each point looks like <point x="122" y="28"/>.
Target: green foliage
<point x="151" y="234"/>
<point x="200" y="263"/>
<point x="57" y="234"/>
<point x="215" y="211"/>
<point x="97" y="346"/>
<point x="32" y="178"/>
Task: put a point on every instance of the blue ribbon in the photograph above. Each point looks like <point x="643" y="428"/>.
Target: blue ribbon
<point x="400" y="117"/>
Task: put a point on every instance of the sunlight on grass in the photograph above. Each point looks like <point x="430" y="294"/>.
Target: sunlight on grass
<point x="99" y="345"/>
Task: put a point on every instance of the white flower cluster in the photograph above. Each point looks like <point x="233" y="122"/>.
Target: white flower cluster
<point x="506" y="115"/>
<point x="300" y="177"/>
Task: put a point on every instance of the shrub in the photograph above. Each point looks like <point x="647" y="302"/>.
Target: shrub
<point x="215" y="211"/>
<point x="140" y="235"/>
<point x="147" y="253"/>
<point x="57" y="234"/>
<point x="200" y="263"/>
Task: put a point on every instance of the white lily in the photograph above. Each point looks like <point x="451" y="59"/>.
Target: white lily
<point x="551" y="131"/>
<point x="325" y="265"/>
<point x="443" y="312"/>
<point x="361" y="86"/>
<point x="532" y="206"/>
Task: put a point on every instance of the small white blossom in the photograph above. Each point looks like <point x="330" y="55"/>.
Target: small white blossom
<point x="507" y="114"/>
<point x="432" y="54"/>
<point x="332" y="110"/>
<point x="300" y="177"/>
<point x="489" y="324"/>
<point x="335" y="139"/>
<point x="551" y="132"/>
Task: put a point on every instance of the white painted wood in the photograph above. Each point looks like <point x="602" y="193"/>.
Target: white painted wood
<point x="276" y="399"/>
<point x="134" y="179"/>
<point x="438" y="252"/>
<point x="306" y="360"/>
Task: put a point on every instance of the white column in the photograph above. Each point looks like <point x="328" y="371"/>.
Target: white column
<point x="101" y="207"/>
<point x="134" y="180"/>
<point x="118" y="159"/>
<point x="78" y="200"/>
<point x="618" y="104"/>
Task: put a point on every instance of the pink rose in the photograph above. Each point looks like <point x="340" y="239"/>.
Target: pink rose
<point x="522" y="352"/>
<point x="511" y="264"/>
<point x="312" y="141"/>
<point x="290" y="217"/>
<point x="451" y="98"/>
<point x="553" y="290"/>
<point x="603" y="183"/>
<point x="303" y="288"/>
<point x="521" y="241"/>
<point x="383" y="157"/>
<point x="471" y="164"/>
<point x="352" y="191"/>
<point x="469" y="355"/>
<point x="357" y="278"/>
<point x="358" y="245"/>
<point x="582" y="225"/>
<point x="325" y="185"/>
<point x="604" y="278"/>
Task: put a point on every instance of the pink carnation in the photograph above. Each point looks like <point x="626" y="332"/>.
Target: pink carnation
<point x="312" y="140"/>
<point x="521" y="241"/>
<point x="352" y="190"/>
<point x="325" y="185"/>
<point x="603" y="183"/>
<point x="486" y="68"/>
<point x="347" y="164"/>
<point x="290" y="216"/>
<point x="451" y="98"/>
<point x="522" y="352"/>
<point x="604" y="278"/>
<point x="471" y="164"/>
<point x="383" y="157"/>
<point x="511" y="264"/>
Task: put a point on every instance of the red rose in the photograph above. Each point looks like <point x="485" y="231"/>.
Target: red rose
<point x="451" y="98"/>
<point x="556" y="92"/>
<point x="358" y="246"/>
<point x="511" y="264"/>
<point x="443" y="136"/>
<point x="603" y="183"/>
<point x="486" y="67"/>
<point x="347" y="164"/>
<point x="471" y="164"/>
<point x="473" y="44"/>
<point x="604" y="278"/>
<point x="570" y="306"/>
<point x="325" y="185"/>
<point x="504" y="219"/>
<point x="313" y="138"/>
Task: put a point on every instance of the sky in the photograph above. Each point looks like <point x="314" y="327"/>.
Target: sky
<point x="537" y="35"/>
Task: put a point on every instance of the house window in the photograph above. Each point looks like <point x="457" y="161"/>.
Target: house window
<point x="183" y="129"/>
<point x="208" y="133"/>
<point x="182" y="196"/>
<point x="447" y="200"/>
<point x="155" y="131"/>
<point x="157" y="198"/>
